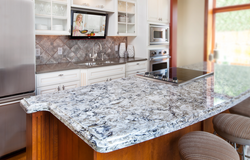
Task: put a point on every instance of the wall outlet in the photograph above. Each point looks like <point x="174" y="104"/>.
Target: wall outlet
<point x="38" y="52"/>
<point x="116" y="47"/>
<point x="60" y="51"/>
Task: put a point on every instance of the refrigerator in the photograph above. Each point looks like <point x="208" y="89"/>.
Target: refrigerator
<point x="17" y="70"/>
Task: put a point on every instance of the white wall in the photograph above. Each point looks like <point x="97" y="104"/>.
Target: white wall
<point x="190" y="32"/>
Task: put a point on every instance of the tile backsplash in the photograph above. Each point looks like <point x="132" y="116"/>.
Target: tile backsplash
<point x="74" y="50"/>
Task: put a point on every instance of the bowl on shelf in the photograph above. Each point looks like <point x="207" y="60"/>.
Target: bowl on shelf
<point x="41" y="27"/>
<point x="58" y="27"/>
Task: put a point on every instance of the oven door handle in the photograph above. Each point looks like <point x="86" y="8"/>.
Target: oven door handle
<point x="151" y="59"/>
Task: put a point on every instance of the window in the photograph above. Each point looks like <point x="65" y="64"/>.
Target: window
<point x="232" y="36"/>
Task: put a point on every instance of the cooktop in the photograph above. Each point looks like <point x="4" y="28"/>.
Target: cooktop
<point x="176" y="76"/>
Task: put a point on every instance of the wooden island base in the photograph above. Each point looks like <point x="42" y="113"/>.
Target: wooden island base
<point x="50" y="139"/>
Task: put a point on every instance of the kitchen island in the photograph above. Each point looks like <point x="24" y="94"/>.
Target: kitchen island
<point x="129" y="118"/>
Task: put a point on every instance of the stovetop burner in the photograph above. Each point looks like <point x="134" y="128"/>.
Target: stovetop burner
<point x="175" y="76"/>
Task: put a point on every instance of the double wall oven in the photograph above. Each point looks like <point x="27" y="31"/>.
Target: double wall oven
<point x="159" y="59"/>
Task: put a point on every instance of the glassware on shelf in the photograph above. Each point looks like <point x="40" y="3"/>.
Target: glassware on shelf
<point x="55" y="9"/>
<point x="62" y="11"/>
<point x="48" y="9"/>
<point x="41" y="8"/>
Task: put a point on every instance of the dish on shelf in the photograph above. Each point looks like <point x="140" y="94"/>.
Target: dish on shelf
<point x="41" y="27"/>
<point x="58" y="27"/>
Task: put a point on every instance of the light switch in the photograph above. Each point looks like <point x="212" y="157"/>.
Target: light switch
<point x="38" y="52"/>
<point x="60" y="51"/>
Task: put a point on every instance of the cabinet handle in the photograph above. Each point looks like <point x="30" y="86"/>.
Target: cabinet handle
<point x="117" y="32"/>
<point x="60" y="75"/>
<point x="58" y="89"/>
<point x="63" y="87"/>
<point x="110" y="79"/>
<point x="137" y="63"/>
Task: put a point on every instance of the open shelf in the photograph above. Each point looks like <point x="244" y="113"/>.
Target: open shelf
<point x="59" y="17"/>
<point x="42" y="16"/>
<point x="60" y="2"/>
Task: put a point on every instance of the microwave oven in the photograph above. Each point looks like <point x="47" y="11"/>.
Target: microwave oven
<point x="159" y="34"/>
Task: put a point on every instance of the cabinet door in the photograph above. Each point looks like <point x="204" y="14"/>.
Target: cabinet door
<point x="97" y="80"/>
<point x="153" y="10"/>
<point x="105" y="79"/>
<point x="48" y="89"/>
<point x="132" y="73"/>
<point x="136" y="66"/>
<point x="57" y="77"/>
<point x="165" y="10"/>
<point x="70" y="85"/>
<point x="105" y="71"/>
<point x="116" y="77"/>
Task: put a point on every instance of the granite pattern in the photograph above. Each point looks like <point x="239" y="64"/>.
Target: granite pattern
<point x="74" y="50"/>
<point x="45" y="68"/>
<point x="112" y="115"/>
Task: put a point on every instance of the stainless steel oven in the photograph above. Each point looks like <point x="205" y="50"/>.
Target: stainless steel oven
<point x="159" y="59"/>
<point x="159" y="34"/>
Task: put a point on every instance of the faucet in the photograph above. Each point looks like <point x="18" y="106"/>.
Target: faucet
<point x="95" y="55"/>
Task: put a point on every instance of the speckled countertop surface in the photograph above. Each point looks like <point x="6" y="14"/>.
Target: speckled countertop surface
<point x="112" y="115"/>
<point x="45" y="68"/>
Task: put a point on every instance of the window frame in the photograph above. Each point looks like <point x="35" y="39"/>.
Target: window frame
<point x="210" y="12"/>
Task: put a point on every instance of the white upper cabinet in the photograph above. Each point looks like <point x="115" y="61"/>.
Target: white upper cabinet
<point x="52" y="17"/>
<point x="123" y="21"/>
<point x="98" y="5"/>
<point x="159" y="11"/>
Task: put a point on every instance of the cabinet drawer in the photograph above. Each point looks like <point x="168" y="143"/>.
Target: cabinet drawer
<point x="104" y="79"/>
<point x="57" y="77"/>
<point x="136" y="66"/>
<point x="105" y="71"/>
<point x="131" y="73"/>
<point x="48" y="89"/>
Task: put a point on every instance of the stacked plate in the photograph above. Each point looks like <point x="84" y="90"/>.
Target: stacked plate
<point x="58" y="27"/>
<point x="41" y="27"/>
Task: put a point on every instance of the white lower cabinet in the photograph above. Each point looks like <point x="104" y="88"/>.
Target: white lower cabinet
<point x="102" y="74"/>
<point x="58" y="87"/>
<point x="70" y="85"/>
<point x="57" y="81"/>
<point x="63" y="80"/>
<point x="47" y="89"/>
<point x="132" y="73"/>
<point x="136" y="67"/>
<point x="105" y="79"/>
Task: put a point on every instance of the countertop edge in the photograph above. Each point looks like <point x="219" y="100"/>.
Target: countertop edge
<point x="218" y="109"/>
<point x="79" y="67"/>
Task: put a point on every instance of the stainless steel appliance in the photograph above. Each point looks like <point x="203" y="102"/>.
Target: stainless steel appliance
<point x="159" y="34"/>
<point x="175" y="76"/>
<point x="159" y="59"/>
<point x="17" y="70"/>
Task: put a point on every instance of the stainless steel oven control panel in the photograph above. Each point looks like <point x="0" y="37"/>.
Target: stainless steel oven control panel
<point x="159" y="53"/>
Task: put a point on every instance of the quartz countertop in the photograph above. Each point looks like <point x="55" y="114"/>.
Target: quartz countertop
<point x="113" y="115"/>
<point x="45" y="68"/>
